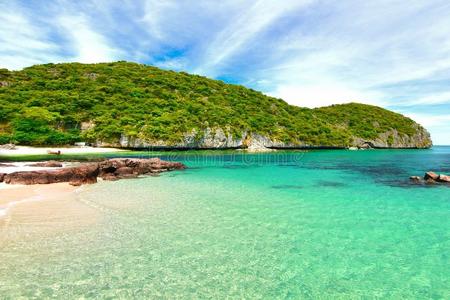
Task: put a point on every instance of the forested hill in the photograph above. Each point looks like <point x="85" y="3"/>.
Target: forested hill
<point x="134" y="105"/>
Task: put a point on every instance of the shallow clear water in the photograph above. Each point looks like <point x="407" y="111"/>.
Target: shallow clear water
<point x="321" y="224"/>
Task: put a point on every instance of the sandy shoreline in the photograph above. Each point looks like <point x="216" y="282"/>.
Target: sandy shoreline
<point x="29" y="212"/>
<point x="24" y="150"/>
<point x="12" y="196"/>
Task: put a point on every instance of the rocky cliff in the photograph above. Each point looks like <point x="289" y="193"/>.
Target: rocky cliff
<point x="218" y="138"/>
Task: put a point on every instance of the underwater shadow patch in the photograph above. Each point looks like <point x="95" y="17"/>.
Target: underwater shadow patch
<point x="330" y="183"/>
<point x="243" y="166"/>
<point x="287" y="186"/>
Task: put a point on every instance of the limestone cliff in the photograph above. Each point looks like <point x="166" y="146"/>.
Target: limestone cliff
<point x="218" y="138"/>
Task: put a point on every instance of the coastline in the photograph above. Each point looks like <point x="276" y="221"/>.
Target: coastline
<point x="14" y="196"/>
<point x="27" y="150"/>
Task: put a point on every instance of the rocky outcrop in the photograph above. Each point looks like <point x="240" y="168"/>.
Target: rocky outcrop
<point x="431" y="175"/>
<point x="218" y="138"/>
<point x="118" y="168"/>
<point x="83" y="174"/>
<point x="46" y="164"/>
<point x="208" y="139"/>
<point x="431" y="178"/>
<point x="87" y="173"/>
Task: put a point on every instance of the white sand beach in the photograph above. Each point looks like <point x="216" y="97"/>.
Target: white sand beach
<point x="25" y="150"/>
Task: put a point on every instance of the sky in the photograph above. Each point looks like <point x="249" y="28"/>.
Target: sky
<point x="395" y="54"/>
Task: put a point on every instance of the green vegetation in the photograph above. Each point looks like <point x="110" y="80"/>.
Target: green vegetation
<point x="47" y="105"/>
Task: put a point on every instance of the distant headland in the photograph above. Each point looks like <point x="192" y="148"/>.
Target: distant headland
<point x="130" y="105"/>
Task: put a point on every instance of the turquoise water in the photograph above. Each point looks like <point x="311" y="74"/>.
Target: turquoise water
<point x="284" y="225"/>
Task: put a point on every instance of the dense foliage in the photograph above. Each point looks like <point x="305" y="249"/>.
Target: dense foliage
<point x="47" y="105"/>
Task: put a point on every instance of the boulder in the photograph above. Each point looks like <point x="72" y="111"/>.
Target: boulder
<point x="444" y="178"/>
<point x="2" y="177"/>
<point x="46" y="164"/>
<point x="431" y="175"/>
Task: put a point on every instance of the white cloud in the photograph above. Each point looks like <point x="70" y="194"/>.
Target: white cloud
<point x="155" y="13"/>
<point x="89" y="46"/>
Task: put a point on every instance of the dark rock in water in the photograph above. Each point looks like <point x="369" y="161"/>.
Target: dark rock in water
<point x="415" y="178"/>
<point x="83" y="174"/>
<point x="47" y="164"/>
<point x="444" y="178"/>
<point x="431" y="175"/>
<point x="2" y="177"/>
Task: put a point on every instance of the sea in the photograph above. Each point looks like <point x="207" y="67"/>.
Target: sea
<point x="325" y="224"/>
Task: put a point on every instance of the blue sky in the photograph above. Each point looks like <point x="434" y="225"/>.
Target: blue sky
<point x="395" y="54"/>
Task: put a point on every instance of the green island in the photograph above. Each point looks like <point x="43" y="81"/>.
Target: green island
<point x="132" y="105"/>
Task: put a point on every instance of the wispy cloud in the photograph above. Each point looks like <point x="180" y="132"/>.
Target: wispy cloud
<point x="21" y="43"/>
<point x="242" y="28"/>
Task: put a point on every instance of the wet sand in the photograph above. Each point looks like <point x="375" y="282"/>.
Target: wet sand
<point x="41" y="210"/>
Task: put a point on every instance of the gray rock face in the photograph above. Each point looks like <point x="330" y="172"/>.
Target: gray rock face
<point x="218" y="138"/>
<point x="393" y="139"/>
